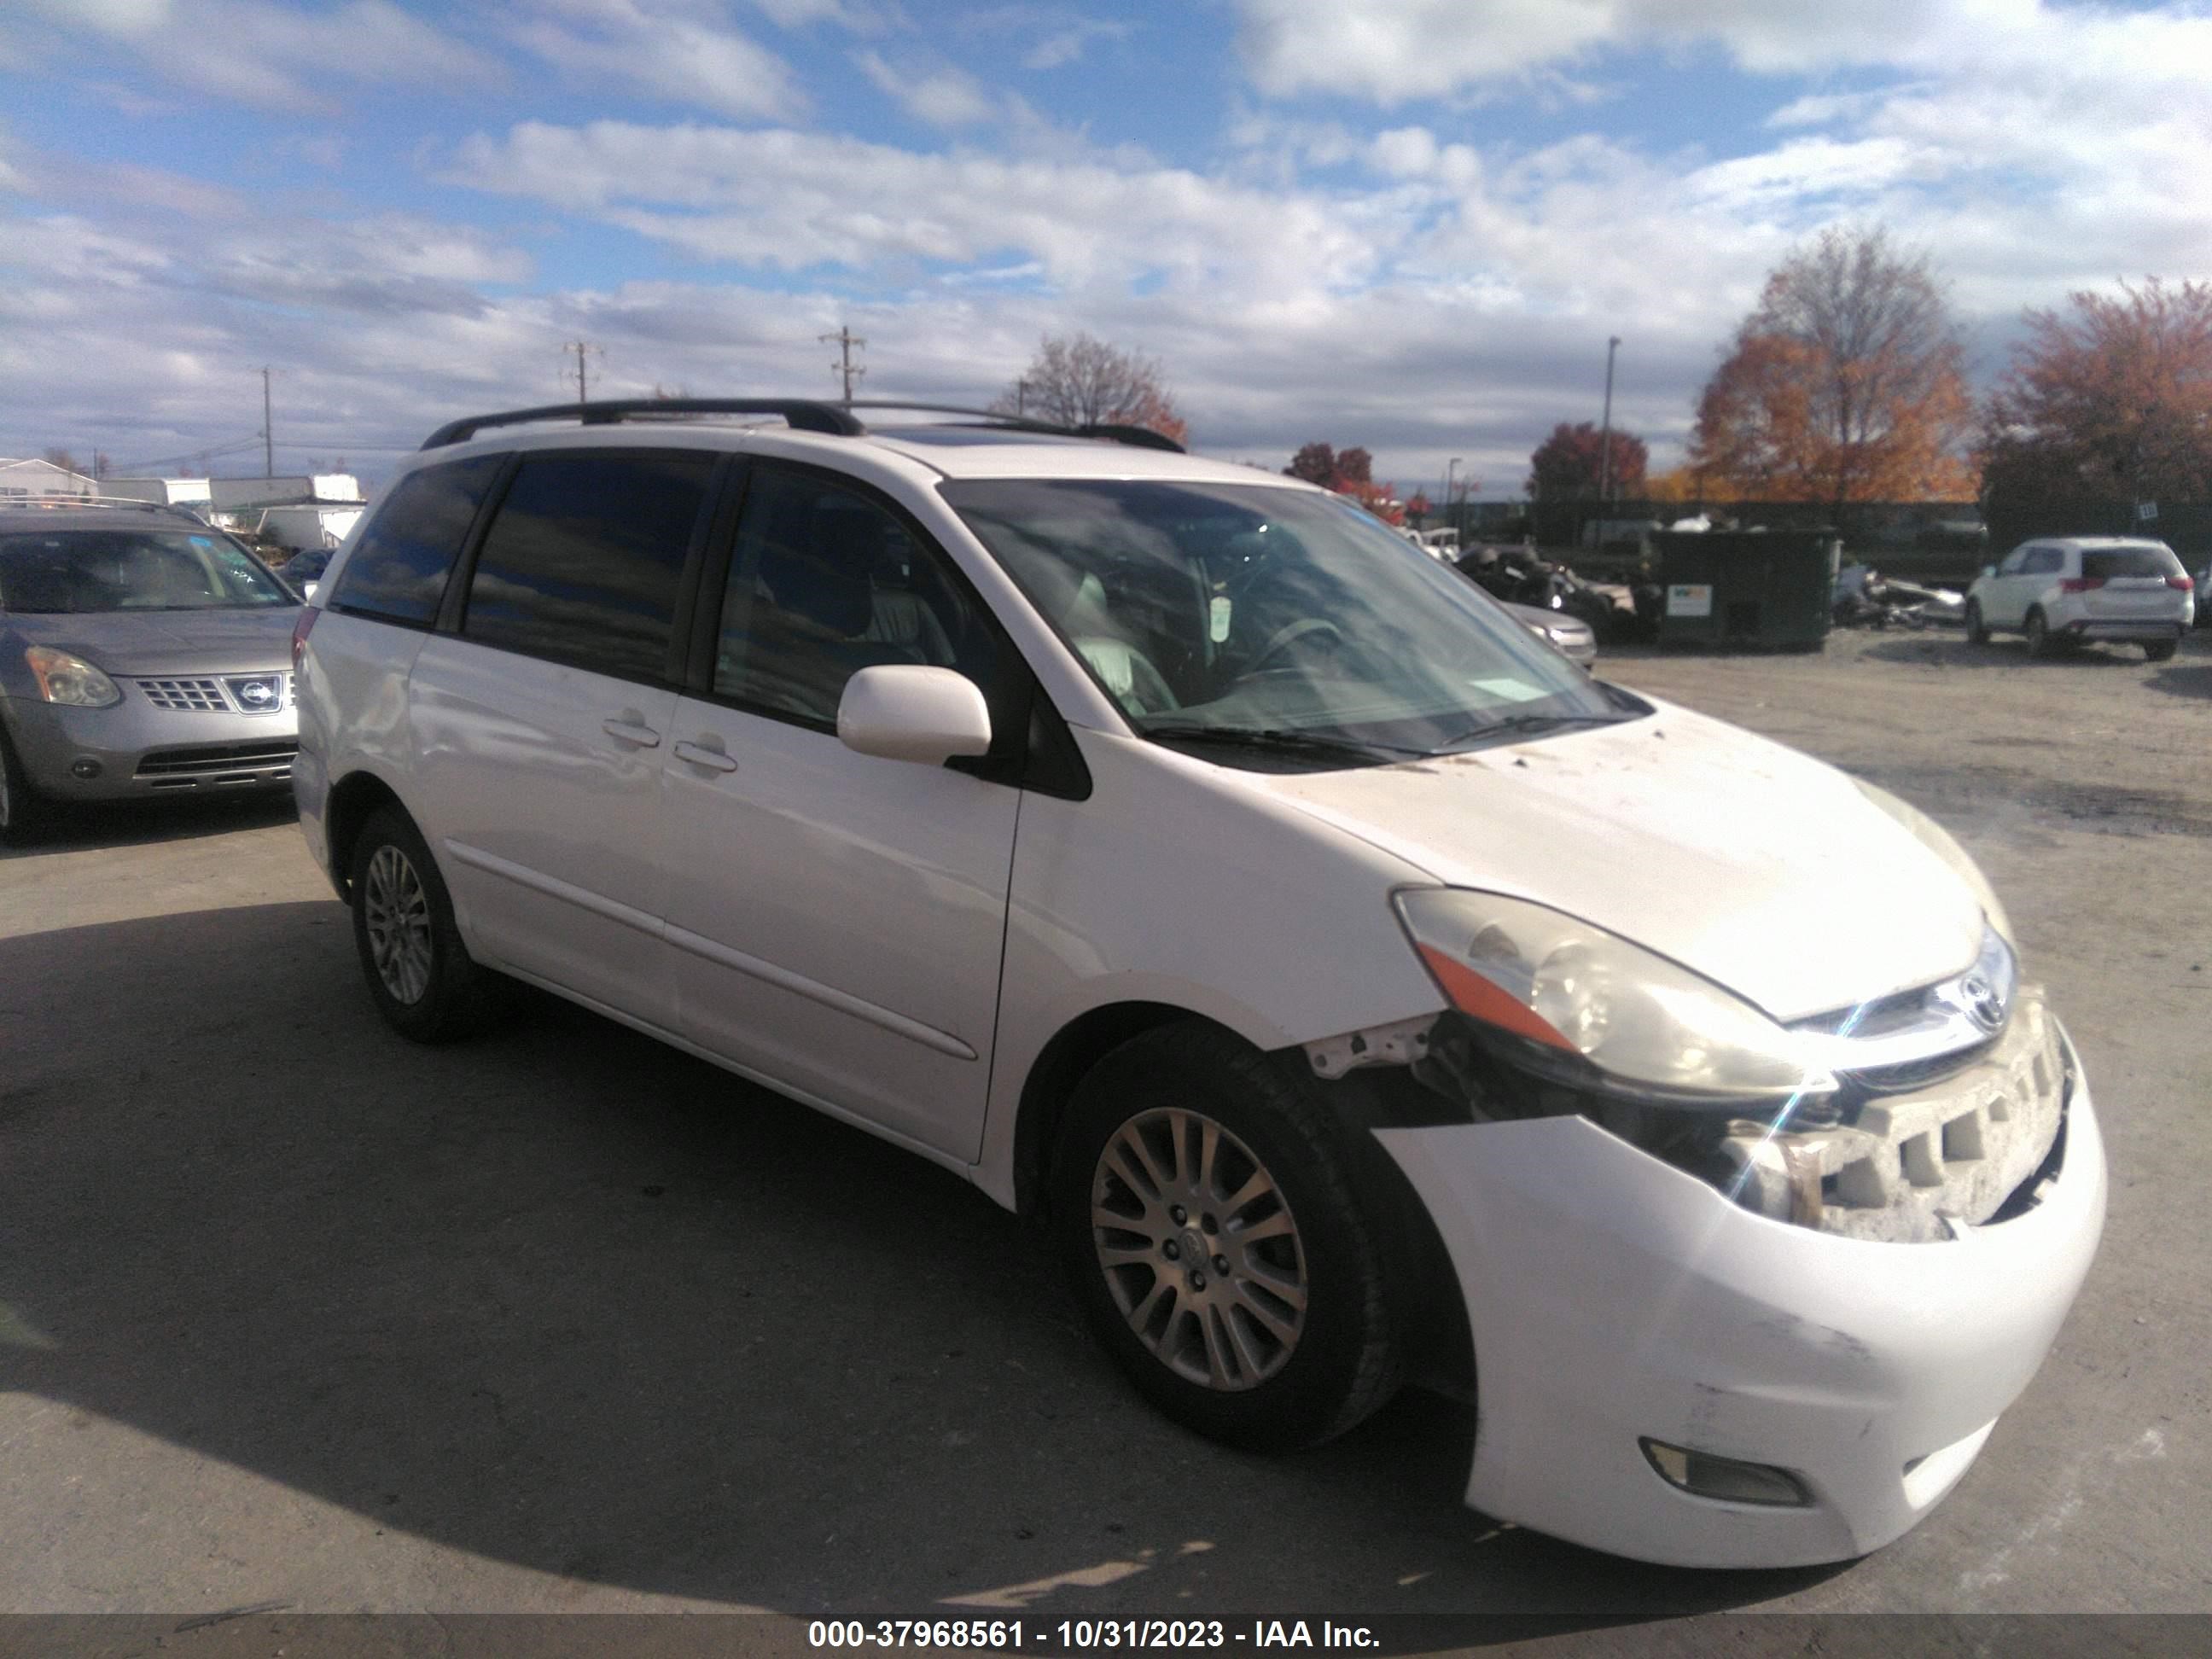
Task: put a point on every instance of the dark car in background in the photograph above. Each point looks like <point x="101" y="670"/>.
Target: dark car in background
<point x="141" y="652"/>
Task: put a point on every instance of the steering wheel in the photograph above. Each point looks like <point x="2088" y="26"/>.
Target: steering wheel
<point x="1305" y="628"/>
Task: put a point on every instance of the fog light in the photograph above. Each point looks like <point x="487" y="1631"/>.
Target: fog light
<point x="1724" y="1479"/>
<point x="85" y="767"/>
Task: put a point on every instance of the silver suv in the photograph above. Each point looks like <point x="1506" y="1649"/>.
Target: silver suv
<point x="141" y="652"/>
<point x="2064" y="590"/>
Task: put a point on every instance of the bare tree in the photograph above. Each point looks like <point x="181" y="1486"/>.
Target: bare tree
<point x="1079" y="380"/>
<point x="1847" y="383"/>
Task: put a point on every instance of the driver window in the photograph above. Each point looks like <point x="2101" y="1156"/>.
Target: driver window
<point x="2042" y="560"/>
<point x="825" y="581"/>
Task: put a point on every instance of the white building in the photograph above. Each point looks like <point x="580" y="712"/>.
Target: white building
<point x="234" y="495"/>
<point x="170" y="492"/>
<point x="24" y="480"/>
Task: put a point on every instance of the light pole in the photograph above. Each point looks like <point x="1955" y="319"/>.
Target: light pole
<point x="1604" y="433"/>
<point x="1451" y="511"/>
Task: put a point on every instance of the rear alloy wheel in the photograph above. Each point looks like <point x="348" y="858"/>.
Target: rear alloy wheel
<point x="420" y="974"/>
<point x="2039" y="634"/>
<point x="1978" y="631"/>
<point x="2160" y="650"/>
<point x="1205" y="1206"/>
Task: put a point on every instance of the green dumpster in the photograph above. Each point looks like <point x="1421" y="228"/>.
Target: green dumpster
<point x="1765" y="588"/>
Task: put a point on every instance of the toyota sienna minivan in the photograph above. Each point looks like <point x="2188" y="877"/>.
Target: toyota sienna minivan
<point x="1353" y="988"/>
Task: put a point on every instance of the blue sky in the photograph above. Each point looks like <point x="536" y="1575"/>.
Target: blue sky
<point x="1409" y="226"/>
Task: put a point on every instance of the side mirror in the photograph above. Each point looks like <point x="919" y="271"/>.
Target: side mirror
<point x="1989" y="570"/>
<point x="904" y="711"/>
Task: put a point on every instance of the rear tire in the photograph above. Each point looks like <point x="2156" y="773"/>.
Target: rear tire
<point x="419" y="973"/>
<point x="1298" y="1340"/>
<point x="2040" y="642"/>
<point x="22" y="809"/>
<point x="1978" y="631"/>
<point x="2160" y="650"/>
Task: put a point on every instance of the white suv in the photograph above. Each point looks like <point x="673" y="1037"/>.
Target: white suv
<point x="2062" y="590"/>
<point x="1353" y="987"/>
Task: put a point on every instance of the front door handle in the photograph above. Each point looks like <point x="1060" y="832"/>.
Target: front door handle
<point x="717" y="760"/>
<point x="629" y="728"/>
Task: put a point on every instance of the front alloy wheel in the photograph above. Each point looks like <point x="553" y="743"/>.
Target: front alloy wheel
<point x="1198" y="1249"/>
<point x="1218" y="1219"/>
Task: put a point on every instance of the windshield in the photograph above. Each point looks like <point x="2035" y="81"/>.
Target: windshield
<point x="76" y="571"/>
<point x="1261" y="622"/>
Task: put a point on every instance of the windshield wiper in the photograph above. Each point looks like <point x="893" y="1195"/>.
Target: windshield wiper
<point x="1282" y="739"/>
<point x="1515" y="723"/>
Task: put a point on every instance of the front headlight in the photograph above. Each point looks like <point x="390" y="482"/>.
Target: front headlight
<point x="1937" y="840"/>
<point x="1651" y="1028"/>
<point x="64" y="678"/>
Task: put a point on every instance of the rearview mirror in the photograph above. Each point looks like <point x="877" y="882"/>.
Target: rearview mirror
<point x="904" y="711"/>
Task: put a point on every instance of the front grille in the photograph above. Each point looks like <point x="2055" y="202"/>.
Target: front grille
<point x="219" y="763"/>
<point x="185" y="696"/>
<point x="1913" y="1161"/>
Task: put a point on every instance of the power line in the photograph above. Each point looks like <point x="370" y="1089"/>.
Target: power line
<point x="844" y="368"/>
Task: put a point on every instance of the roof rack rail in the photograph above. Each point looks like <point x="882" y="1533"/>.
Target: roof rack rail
<point x="175" y="509"/>
<point x="1140" y="437"/>
<point x="806" y="414"/>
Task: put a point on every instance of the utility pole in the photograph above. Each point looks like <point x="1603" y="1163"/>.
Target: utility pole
<point x="268" y="439"/>
<point x="1021" y="398"/>
<point x="842" y="368"/>
<point x="1452" y="510"/>
<point x="1605" y="434"/>
<point x="581" y="348"/>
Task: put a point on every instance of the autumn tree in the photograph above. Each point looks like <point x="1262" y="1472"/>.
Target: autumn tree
<point x="1847" y="383"/>
<point x="1332" y="468"/>
<point x="2109" y="400"/>
<point x="1348" y="472"/>
<point x="1570" y="465"/>
<point x="1077" y="380"/>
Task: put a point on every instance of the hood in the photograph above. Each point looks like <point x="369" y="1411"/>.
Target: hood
<point x="131" y="642"/>
<point x="1761" y="869"/>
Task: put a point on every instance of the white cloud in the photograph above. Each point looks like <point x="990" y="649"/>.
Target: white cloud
<point x="936" y="92"/>
<point x="1066" y="46"/>
<point x="1389" y="52"/>
<point x="260" y="53"/>
<point x="861" y="19"/>
<point x="791" y="200"/>
<point x="683" y="50"/>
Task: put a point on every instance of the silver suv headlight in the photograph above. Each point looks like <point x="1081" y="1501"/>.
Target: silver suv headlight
<point x="1650" y="1027"/>
<point x="64" y="678"/>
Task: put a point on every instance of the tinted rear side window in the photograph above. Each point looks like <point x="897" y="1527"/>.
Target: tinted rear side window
<point x="398" y="570"/>
<point x="2109" y="561"/>
<point x="584" y="557"/>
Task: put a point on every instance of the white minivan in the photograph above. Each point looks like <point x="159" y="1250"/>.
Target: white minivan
<point x="1353" y="988"/>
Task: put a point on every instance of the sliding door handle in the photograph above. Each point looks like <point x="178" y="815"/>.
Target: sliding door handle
<point x="696" y="754"/>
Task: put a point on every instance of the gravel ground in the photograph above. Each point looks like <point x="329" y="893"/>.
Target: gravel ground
<point x="292" y="1313"/>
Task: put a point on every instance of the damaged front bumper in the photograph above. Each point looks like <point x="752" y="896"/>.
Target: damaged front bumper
<point x="1616" y="1300"/>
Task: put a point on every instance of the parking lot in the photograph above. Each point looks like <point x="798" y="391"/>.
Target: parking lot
<point x="294" y="1313"/>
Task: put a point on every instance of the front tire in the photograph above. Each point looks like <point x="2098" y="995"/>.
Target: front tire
<point x="419" y="973"/>
<point x="22" y="810"/>
<point x="1978" y="631"/>
<point x="2038" y="636"/>
<point x="1204" y="1204"/>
